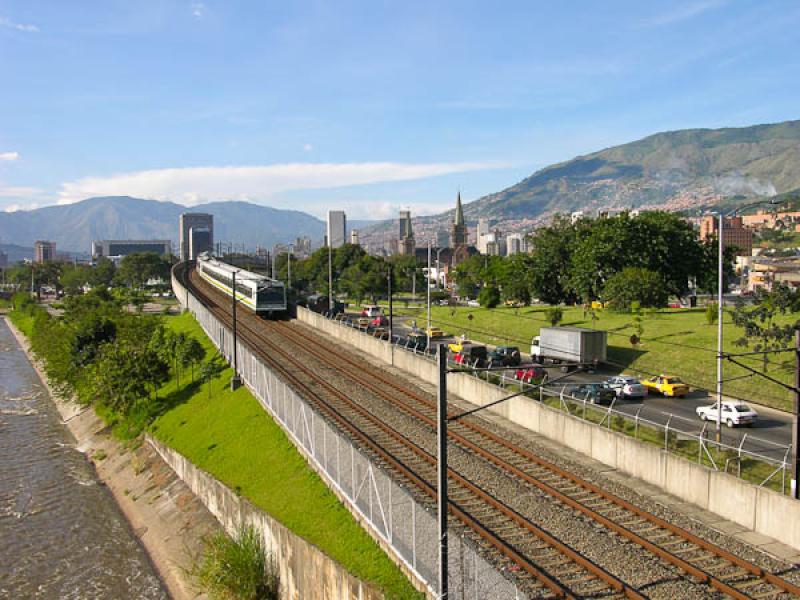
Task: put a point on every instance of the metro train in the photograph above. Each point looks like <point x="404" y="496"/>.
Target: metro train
<point x="261" y="294"/>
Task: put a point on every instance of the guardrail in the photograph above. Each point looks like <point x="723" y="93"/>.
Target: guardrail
<point x="678" y="435"/>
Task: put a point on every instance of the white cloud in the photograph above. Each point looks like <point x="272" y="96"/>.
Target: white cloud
<point x="9" y="156"/>
<point x="9" y="24"/>
<point x="308" y="147"/>
<point x="198" y="9"/>
<point x="682" y="13"/>
<point x="194" y="185"/>
<point x="18" y="207"/>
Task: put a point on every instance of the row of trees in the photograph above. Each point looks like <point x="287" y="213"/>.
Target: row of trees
<point x="134" y="271"/>
<point x="108" y="357"/>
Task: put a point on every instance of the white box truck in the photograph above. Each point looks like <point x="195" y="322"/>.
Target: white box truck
<point x="569" y="344"/>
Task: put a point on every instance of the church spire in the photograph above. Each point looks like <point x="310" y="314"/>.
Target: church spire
<point x="459" y="220"/>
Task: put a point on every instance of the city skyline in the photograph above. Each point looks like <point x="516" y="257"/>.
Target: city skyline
<point x="462" y="96"/>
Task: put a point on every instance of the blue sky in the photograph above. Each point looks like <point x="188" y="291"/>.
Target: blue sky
<point x="364" y="105"/>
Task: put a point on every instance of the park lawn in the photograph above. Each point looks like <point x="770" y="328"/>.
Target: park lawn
<point x="674" y="341"/>
<point x="232" y="437"/>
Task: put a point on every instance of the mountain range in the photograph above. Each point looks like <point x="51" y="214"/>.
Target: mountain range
<point x="688" y="170"/>
<point x="75" y="226"/>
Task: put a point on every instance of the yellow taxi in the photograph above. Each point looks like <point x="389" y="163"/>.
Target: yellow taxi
<point x="666" y="385"/>
<point x="434" y="332"/>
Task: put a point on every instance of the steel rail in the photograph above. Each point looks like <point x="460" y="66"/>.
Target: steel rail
<point x="504" y="547"/>
<point x="689" y="537"/>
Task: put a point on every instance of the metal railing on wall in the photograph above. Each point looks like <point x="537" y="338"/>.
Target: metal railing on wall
<point x="678" y="435"/>
<point x="409" y="527"/>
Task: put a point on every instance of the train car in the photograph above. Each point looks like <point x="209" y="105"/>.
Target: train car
<point x="319" y="304"/>
<point x="259" y="293"/>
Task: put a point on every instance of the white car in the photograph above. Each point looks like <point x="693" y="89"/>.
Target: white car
<point x="733" y="413"/>
<point x="473" y="303"/>
<point x="627" y="387"/>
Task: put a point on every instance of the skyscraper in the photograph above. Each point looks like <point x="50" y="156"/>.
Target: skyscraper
<point x="196" y="234"/>
<point x="482" y="233"/>
<point x="337" y="228"/>
<point x="515" y="243"/>
<point x="44" y="251"/>
<point x="407" y="244"/>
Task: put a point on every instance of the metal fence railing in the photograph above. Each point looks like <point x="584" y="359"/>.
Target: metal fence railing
<point x="754" y="459"/>
<point x="392" y="513"/>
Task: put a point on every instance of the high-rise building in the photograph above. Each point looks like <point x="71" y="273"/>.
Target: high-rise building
<point x="515" y="244"/>
<point x="337" y="228"/>
<point x="196" y="234"/>
<point x="302" y="247"/>
<point x="44" y="251"/>
<point x="406" y="244"/>
<point x="734" y="233"/>
<point x="405" y="224"/>
<point x="122" y="248"/>
<point x="481" y="233"/>
<point x="354" y="237"/>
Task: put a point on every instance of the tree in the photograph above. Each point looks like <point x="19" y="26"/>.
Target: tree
<point x="74" y="277"/>
<point x="554" y="315"/>
<point x="193" y="353"/>
<point x="138" y="268"/>
<point x="761" y="332"/>
<point x="489" y="296"/>
<point x="551" y="257"/>
<point x="637" y="285"/>
<point x="103" y="273"/>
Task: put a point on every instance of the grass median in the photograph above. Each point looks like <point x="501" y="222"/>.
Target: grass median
<point x="229" y="435"/>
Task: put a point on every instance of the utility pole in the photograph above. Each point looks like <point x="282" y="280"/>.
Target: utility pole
<point x="330" y="277"/>
<point x="442" y="473"/>
<point x="235" y="381"/>
<point x="428" y="288"/>
<point x="795" y="433"/>
<point x="289" y="267"/>
<point x="391" y="313"/>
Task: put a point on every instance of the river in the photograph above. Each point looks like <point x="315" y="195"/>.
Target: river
<point x="61" y="533"/>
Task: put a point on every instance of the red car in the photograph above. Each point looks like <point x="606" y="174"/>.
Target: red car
<point x="530" y="374"/>
<point x="379" y="321"/>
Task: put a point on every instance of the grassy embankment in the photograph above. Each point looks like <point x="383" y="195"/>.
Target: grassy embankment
<point x="675" y="341"/>
<point x="230" y="436"/>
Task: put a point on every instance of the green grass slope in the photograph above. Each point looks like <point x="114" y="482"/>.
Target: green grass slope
<point x="230" y="436"/>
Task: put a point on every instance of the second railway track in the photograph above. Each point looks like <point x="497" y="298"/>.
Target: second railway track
<point x="549" y="566"/>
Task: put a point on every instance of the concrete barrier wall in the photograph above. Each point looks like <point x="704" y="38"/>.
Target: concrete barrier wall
<point x="305" y="571"/>
<point x="763" y="510"/>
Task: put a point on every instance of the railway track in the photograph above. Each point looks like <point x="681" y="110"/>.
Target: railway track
<point x="551" y="564"/>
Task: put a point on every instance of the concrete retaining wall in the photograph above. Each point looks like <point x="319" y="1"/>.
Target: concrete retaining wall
<point x="762" y="510"/>
<point x="305" y="571"/>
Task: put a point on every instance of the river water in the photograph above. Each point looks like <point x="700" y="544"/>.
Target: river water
<point x="61" y="533"/>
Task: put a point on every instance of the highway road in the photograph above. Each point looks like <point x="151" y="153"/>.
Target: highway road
<point x="769" y="436"/>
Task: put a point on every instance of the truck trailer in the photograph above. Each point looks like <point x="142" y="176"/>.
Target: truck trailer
<point x="569" y="344"/>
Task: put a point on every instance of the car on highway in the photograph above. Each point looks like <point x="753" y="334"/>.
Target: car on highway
<point x="370" y="310"/>
<point x="626" y="386"/>
<point x="473" y="303"/>
<point x="417" y="340"/>
<point x="363" y="321"/>
<point x="666" y="385"/>
<point x="734" y="414"/>
<point x="379" y="321"/>
<point x="456" y="347"/>
<point x="594" y="393"/>
<point x="435" y="332"/>
<point x="530" y="374"/>
<point x="473" y="355"/>
<point x="505" y="356"/>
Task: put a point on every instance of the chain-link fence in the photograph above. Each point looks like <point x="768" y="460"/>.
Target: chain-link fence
<point x="754" y="459"/>
<point x="392" y="513"/>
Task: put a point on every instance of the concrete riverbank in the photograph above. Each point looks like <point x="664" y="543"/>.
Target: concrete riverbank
<point x="163" y="513"/>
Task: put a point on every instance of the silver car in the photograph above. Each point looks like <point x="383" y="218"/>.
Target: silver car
<point x="627" y="387"/>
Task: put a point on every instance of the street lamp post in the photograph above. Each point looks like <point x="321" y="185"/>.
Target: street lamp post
<point x="720" y="313"/>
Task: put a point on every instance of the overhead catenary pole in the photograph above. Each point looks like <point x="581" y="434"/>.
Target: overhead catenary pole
<point x="795" y="432"/>
<point x="442" y="502"/>
<point x="720" y="314"/>
<point x="391" y="312"/>
<point x="289" y="267"/>
<point x="428" y="287"/>
<point x="235" y="381"/>
<point x="330" y="277"/>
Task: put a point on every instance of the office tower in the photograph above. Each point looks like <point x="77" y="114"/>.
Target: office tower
<point x="196" y="234"/>
<point x="337" y="228"/>
<point x="44" y="251"/>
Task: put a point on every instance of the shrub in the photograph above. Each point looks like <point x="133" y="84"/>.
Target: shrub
<point x="489" y="296"/>
<point x="554" y="315"/>
<point x="711" y="313"/>
<point x="237" y="568"/>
